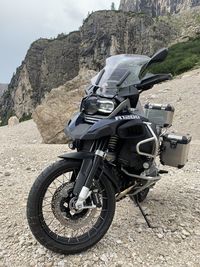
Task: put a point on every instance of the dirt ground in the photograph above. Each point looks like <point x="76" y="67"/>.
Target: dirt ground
<point x="173" y="205"/>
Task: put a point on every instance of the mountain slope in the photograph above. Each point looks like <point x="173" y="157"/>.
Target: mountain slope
<point x="156" y="8"/>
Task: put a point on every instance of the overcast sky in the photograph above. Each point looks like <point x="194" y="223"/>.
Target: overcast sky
<point x="24" y="21"/>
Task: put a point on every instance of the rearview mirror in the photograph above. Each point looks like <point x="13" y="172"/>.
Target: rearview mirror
<point x="159" y="56"/>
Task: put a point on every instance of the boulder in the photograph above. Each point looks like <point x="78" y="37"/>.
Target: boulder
<point x="58" y="107"/>
<point x="13" y="121"/>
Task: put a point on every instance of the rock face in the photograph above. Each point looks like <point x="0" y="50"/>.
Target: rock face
<point x="108" y="33"/>
<point x="48" y="64"/>
<point x="3" y="88"/>
<point x="158" y="7"/>
<point x="58" y="107"/>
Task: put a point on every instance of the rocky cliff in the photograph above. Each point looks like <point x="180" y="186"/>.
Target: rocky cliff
<point x="158" y="7"/>
<point x="106" y="33"/>
<point x="3" y="88"/>
<point x="49" y="63"/>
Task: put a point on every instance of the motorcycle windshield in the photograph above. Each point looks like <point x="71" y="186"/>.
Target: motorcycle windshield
<point x="118" y="68"/>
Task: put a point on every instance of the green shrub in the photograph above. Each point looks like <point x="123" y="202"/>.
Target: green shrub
<point x="182" y="57"/>
<point x="5" y="118"/>
<point x="25" y="117"/>
<point x="10" y="113"/>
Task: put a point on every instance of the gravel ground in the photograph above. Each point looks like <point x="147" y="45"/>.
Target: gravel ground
<point x="173" y="205"/>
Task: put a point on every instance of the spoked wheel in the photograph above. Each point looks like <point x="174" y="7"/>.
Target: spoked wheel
<point x="51" y="214"/>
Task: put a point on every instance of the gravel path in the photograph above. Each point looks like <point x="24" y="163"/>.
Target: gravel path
<point x="173" y="205"/>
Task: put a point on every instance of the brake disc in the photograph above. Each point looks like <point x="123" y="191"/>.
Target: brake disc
<point x="62" y="206"/>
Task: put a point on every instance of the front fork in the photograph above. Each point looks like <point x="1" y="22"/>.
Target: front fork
<point x="85" y="178"/>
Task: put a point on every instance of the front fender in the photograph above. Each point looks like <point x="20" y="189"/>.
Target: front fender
<point x="90" y="155"/>
<point x="78" y="155"/>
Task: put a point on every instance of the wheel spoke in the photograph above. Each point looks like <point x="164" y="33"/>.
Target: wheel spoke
<point x="50" y="192"/>
<point x="94" y="228"/>
<point x="49" y="204"/>
<point x="46" y="198"/>
<point x="52" y="188"/>
<point x="59" y="181"/>
<point x="101" y="218"/>
<point x="51" y="222"/>
<point x="58" y="226"/>
<point x="67" y="178"/>
<point x="55" y="184"/>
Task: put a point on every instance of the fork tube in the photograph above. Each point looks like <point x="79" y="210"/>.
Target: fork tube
<point x="95" y="165"/>
<point x="88" y="171"/>
<point x="82" y="176"/>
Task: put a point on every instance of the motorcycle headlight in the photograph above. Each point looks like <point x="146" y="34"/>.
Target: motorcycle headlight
<point x="105" y="105"/>
<point x="94" y="104"/>
<point x="90" y="105"/>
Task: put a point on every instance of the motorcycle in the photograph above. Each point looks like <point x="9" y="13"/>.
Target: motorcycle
<point x="71" y="204"/>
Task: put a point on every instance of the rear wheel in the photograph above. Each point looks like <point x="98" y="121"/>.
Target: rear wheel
<point x="51" y="215"/>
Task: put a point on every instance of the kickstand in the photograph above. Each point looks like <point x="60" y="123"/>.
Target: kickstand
<point x="143" y="213"/>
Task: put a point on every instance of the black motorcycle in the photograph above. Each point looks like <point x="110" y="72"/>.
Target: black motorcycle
<point x="72" y="203"/>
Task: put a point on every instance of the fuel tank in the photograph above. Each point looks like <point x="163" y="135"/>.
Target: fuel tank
<point x="125" y="126"/>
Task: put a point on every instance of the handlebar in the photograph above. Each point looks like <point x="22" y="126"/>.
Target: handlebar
<point x="149" y="82"/>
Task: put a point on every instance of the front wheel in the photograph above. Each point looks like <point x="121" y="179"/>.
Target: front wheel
<point x="51" y="217"/>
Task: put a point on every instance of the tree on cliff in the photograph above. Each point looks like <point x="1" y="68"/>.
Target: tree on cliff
<point x="113" y="6"/>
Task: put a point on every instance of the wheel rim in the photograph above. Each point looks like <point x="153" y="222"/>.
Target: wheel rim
<point x="68" y="229"/>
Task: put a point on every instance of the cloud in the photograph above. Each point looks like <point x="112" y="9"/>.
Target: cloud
<point x="24" y="21"/>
